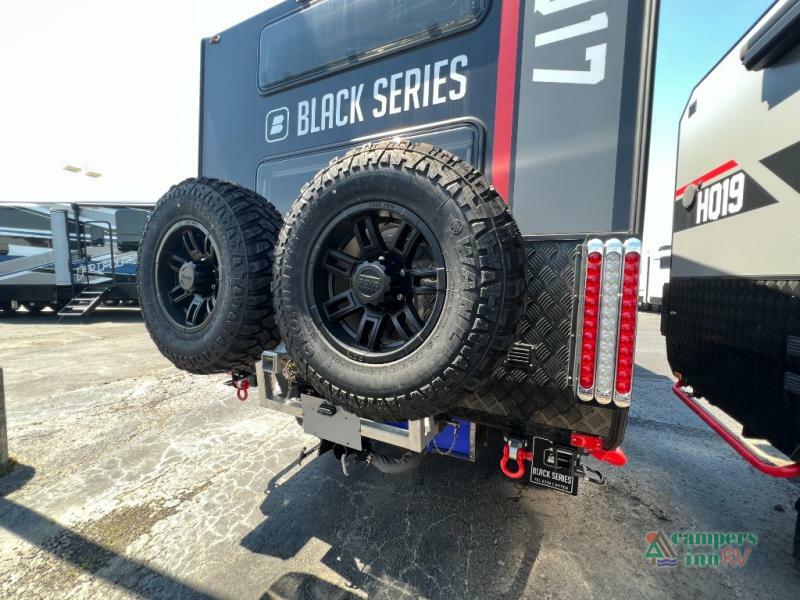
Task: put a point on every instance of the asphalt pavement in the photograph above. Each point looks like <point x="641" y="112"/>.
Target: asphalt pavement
<point x="137" y="480"/>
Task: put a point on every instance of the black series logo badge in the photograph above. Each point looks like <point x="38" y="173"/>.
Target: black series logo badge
<point x="277" y="124"/>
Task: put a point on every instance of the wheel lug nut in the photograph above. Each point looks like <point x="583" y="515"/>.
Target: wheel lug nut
<point x="381" y="258"/>
<point x="402" y="272"/>
<point x="400" y="297"/>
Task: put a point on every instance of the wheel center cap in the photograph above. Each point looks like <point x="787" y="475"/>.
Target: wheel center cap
<point x="186" y="276"/>
<point x="370" y="282"/>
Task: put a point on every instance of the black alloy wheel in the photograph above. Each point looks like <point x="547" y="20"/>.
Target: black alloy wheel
<point x="378" y="282"/>
<point x="188" y="274"/>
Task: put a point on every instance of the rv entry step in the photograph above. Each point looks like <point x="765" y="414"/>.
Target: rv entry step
<point x="83" y="303"/>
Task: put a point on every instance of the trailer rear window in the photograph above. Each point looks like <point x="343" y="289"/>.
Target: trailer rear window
<point x="280" y="180"/>
<point x="334" y="34"/>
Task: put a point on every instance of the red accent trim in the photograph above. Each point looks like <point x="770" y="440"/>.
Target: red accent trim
<point x="708" y="176"/>
<point x="504" y="99"/>
<point x="594" y="445"/>
<point x="791" y="470"/>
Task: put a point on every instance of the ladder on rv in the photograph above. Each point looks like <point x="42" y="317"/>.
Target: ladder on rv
<point x="84" y="303"/>
<point x="91" y="294"/>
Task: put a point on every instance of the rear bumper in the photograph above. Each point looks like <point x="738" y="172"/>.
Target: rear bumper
<point x="536" y="396"/>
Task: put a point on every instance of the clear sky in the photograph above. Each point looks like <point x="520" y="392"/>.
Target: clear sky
<point x="106" y="85"/>
<point x="113" y="87"/>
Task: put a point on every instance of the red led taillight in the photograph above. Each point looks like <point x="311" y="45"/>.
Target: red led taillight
<point x="627" y="325"/>
<point x="605" y="348"/>
<point x="591" y="304"/>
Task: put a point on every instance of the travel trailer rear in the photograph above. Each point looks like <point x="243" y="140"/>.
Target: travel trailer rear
<point x="453" y="196"/>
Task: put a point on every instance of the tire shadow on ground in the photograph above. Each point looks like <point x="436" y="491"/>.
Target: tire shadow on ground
<point x="448" y="529"/>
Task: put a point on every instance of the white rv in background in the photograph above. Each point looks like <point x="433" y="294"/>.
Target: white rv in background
<point x="654" y="274"/>
<point x="69" y="257"/>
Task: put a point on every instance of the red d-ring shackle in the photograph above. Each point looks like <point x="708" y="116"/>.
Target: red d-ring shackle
<point x="522" y="456"/>
<point x="241" y="389"/>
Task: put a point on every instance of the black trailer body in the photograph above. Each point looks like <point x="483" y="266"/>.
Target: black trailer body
<point x="732" y="308"/>
<point x="549" y="98"/>
<point x="49" y="253"/>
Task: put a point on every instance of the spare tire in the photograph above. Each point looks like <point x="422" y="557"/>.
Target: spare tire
<point x="204" y="275"/>
<point x="399" y="280"/>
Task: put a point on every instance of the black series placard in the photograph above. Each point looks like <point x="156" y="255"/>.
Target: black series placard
<point x="554" y="466"/>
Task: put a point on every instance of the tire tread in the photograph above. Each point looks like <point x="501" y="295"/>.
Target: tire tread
<point x="253" y="224"/>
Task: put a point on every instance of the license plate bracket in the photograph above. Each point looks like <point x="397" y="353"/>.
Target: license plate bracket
<point x="554" y="466"/>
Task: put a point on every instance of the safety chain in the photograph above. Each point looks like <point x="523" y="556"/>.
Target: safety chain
<point x="456" y="427"/>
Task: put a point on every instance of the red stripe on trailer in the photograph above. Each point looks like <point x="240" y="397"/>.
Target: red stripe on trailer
<point x="731" y="164"/>
<point x="504" y="99"/>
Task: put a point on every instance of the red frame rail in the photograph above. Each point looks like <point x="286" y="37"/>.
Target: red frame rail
<point x="790" y="470"/>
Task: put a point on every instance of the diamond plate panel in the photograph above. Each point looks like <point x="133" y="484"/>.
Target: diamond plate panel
<point x="731" y="340"/>
<point x="542" y="397"/>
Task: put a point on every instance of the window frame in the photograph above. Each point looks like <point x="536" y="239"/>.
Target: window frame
<point x="419" y="39"/>
<point x="476" y="126"/>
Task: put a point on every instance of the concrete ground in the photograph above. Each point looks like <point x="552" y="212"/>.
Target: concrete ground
<point x="138" y="480"/>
